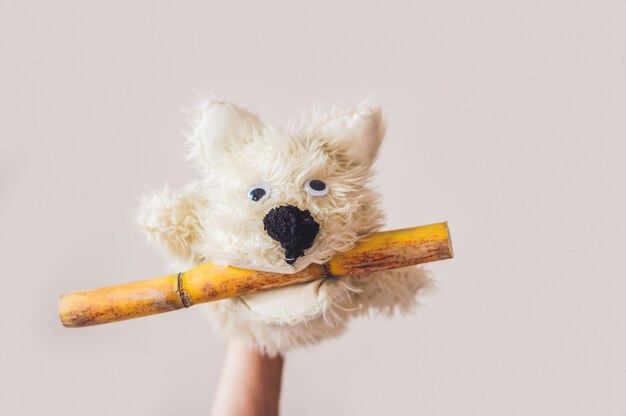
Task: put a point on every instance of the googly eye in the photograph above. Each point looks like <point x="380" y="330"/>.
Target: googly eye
<point x="316" y="187"/>
<point x="259" y="191"/>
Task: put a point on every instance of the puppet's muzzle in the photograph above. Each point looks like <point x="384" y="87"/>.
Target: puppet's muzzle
<point x="293" y="228"/>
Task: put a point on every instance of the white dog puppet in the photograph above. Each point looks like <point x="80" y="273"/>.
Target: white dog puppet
<point x="279" y="200"/>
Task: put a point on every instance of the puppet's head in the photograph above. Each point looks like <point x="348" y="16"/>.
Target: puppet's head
<point x="278" y="200"/>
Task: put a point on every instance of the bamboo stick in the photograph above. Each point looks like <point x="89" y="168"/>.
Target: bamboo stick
<point x="210" y="282"/>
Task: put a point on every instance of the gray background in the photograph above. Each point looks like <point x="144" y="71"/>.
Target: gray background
<point x="505" y="118"/>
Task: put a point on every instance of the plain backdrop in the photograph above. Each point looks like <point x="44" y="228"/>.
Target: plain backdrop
<point x="507" y="119"/>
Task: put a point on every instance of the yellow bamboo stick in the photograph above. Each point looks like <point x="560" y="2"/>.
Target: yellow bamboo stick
<point x="210" y="282"/>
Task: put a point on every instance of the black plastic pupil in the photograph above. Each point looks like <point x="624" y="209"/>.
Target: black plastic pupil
<point x="256" y="194"/>
<point x="317" y="185"/>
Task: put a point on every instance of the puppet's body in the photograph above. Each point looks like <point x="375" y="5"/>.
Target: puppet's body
<point x="279" y="200"/>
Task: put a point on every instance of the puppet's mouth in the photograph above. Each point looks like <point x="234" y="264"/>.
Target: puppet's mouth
<point x="293" y="228"/>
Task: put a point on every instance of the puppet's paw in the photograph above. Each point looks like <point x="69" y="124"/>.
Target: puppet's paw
<point x="170" y="219"/>
<point x="391" y="290"/>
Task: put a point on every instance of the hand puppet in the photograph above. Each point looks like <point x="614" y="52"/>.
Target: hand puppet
<point x="279" y="200"/>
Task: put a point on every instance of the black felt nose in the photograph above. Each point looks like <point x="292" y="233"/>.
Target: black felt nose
<point x="293" y="228"/>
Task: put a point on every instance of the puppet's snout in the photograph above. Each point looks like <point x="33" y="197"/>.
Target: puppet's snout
<point x="293" y="228"/>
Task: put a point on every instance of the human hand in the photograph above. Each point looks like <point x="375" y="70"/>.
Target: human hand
<point x="249" y="384"/>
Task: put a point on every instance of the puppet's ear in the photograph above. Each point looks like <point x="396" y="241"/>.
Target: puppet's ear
<point x="356" y="131"/>
<point x="218" y="126"/>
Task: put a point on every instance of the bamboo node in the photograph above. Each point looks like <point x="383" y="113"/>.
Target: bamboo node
<point x="184" y="296"/>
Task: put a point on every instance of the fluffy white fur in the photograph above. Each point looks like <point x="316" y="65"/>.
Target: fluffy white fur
<point x="213" y="220"/>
